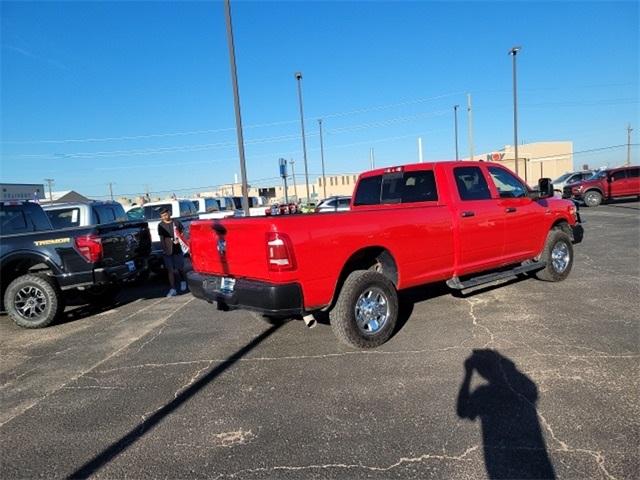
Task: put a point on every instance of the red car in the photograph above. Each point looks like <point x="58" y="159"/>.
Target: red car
<point x="605" y="185"/>
<point x="409" y="225"/>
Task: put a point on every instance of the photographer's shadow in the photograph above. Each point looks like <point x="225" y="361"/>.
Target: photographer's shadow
<point x="506" y="404"/>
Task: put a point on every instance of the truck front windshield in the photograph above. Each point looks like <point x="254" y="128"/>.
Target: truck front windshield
<point x="597" y="175"/>
<point x="561" y="178"/>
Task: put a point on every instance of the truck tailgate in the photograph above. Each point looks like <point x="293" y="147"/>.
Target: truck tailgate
<point x="234" y="247"/>
<point x="123" y="241"/>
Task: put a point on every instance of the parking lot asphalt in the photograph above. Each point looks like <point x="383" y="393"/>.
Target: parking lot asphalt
<point x="170" y="387"/>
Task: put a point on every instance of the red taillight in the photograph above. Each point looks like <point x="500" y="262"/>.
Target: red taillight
<point x="90" y="247"/>
<point x="279" y="252"/>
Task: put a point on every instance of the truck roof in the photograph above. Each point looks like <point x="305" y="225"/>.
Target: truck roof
<point x="420" y="166"/>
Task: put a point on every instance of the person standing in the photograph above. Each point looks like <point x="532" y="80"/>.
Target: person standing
<point x="168" y="230"/>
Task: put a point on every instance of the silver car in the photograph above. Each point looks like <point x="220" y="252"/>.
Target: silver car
<point x="334" y="204"/>
<point x="571" y="177"/>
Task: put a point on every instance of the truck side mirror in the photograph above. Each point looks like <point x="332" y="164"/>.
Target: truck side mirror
<point x="545" y="188"/>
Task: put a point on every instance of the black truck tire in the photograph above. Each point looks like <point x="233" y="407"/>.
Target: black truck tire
<point x="366" y="311"/>
<point x="592" y="198"/>
<point x="33" y="301"/>
<point x="558" y="254"/>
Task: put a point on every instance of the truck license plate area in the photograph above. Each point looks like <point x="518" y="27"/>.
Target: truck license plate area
<point x="227" y="284"/>
<point x="131" y="265"/>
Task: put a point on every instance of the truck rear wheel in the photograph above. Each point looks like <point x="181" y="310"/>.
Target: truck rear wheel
<point x="33" y="301"/>
<point x="366" y="312"/>
<point x="592" y="198"/>
<point x="558" y="254"/>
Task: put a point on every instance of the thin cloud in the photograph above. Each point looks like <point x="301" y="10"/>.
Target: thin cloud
<point x="28" y="54"/>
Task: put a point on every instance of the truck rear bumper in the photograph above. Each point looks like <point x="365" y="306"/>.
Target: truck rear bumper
<point x="101" y="276"/>
<point x="263" y="297"/>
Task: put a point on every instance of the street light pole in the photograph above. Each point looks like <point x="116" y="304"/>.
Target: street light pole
<point x="513" y="52"/>
<point x="455" y="123"/>
<point x="111" y="190"/>
<point x="292" y="162"/>
<point x="324" y="180"/>
<point x="236" y="102"/>
<point x="298" y="76"/>
<point x="629" y="130"/>
<point x="50" y="182"/>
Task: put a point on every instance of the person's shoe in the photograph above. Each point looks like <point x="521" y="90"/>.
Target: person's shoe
<point x="172" y="293"/>
<point x="183" y="286"/>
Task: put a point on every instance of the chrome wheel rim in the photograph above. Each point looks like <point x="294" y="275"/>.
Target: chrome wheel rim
<point x="560" y="257"/>
<point x="30" y="302"/>
<point x="372" y="311"/>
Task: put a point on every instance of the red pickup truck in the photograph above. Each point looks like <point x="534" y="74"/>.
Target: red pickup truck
<point x="467" y="223"/>
<point x="606" y="185"/>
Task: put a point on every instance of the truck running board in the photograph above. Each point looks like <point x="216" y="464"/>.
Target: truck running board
<point x="456" y="284"/>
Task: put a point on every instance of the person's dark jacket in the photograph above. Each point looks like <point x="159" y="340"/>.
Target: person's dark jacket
<point x="166" y="234"/>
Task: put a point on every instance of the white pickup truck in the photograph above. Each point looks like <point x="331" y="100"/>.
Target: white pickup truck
<point x="210" y="207"/>
<point x="181" y="209"/>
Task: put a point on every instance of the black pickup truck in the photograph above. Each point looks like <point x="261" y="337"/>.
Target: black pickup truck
<point x="38" y="262"/>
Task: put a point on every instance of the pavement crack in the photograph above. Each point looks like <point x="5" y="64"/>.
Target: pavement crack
<point x="350" y="466"/>
<point x="472" y="305"/>
<point x="563" y="446"/>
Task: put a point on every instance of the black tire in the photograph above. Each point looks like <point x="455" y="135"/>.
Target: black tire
<point x="102" y="295"/>
<point x="344" y="315"/>
<point x="592" y="198"/>
<point x="42" y="291"/>
<point x="558" y="254"/>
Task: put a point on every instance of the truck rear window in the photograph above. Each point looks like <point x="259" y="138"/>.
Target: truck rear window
<point x="407" y="187"/>
<point x="12" y="220"/>
<point x="64" y="217"/>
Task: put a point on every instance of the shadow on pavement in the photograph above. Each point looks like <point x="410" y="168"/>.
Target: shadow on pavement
<point x="506" y="405"/>
<point x="122" y="444"/>
<point x="616" y="203"/>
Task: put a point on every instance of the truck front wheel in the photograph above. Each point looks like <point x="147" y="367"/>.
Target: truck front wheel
<point x="592" y="198"/>
<point x="33" y="301"/>
<point x="558" y="255"/>
<point x="366" y="311"/>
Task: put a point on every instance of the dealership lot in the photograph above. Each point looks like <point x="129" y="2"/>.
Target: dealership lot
<point x="170" y="387"/>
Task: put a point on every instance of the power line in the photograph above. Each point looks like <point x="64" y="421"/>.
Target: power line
<point x="218" y="130"/>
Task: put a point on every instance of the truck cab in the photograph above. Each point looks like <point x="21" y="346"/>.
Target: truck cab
<point x="83" y="214"/>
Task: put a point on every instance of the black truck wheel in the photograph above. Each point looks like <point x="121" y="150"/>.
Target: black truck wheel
<point x="33" y="301"/>
<point x="592" y="198"/>
<point x="366" y="312"/>
<point x="558" y="254"/>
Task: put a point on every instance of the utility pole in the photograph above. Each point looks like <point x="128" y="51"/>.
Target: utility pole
<point x="455" y="123"/>
<point x="324" y="180"/>
<point x="298" y="76"/>
<point x="470" y="126"/>
<point x="420" y="159"/>
<point x="629" y="130"/>
<point x="50" y="182"/>
<point x="513" y="52"/>
<point x="372" y="159"/>
<point x="292" y="162"/>
<point x="111" y="190"/>
<point x="236" y="102"/>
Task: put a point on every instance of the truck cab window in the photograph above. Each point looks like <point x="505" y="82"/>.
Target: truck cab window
<point x="507" y="185"/>
<point x="471" y="183"/>
<point x="12" y="220"/>
<point x="64" y="218"/>
<point x="619" y="175"/>
<point x="368" y="192"/>
<point x="419" y="187"/>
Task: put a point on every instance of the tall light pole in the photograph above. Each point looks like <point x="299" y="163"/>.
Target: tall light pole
<point x="236" y="102"/>
<point x="629" y="130"/>
<point x="292" y="162"/>
<point x="470" y="126"/>
<point x="111" y="190"/>
<point x="324" y="180"/>
<point x="514" y="52"/>
<point x="50" y="182"/>
<point x="455" y="124"/>
<point x="298" y="76"/>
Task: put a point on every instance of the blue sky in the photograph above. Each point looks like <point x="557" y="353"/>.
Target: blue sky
<point x="140" y="93"/>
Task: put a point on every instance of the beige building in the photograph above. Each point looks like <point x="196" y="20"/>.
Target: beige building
<point x="535" y="160"/>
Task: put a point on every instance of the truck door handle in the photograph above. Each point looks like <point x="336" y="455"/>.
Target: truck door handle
<point x="510" y="209"/>
<point x="468" y="214"/>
